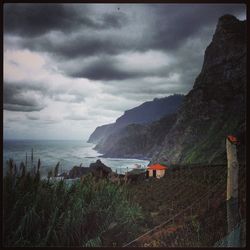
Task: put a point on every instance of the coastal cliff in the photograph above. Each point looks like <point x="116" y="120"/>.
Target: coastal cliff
<point x="194" y="132"/>
<point x="137" y="140"/>
<point x="145" y="113"/>
<point x="216" y="106"/>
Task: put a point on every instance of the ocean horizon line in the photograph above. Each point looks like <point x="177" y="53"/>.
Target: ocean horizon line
<point x="7" y="139"/>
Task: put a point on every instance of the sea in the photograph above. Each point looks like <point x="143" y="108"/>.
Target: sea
<point x="68" y="152"/>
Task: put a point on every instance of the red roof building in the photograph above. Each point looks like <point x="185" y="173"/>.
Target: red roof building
<point x="232" y="139"/>
<point x="156" y="170"/>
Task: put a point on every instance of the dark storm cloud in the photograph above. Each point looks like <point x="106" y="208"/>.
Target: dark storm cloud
<point x="36" y="19"/>
<point x="103" y="69"/>
<point x="174" y="24"/>
<point x="79" y="46"/>
<point x="114" y="20"/>
<point x="32" y="20"/>
<point x="169" y="26"/>
<point x="11" y="88"/>
<point x="111" y="70"/>
<point x="98" y="42"/>
<point x="32" y="106"/>
<point x="16" y="99"/>
<point x="166" y="28"/>
<point x="29" y="96"/>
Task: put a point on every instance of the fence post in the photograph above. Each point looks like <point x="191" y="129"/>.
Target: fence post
<point x="232" y="192"/>
<point x="26" y="160"/>
<point x="232" y="170"/>
<point x="32" y="158"/>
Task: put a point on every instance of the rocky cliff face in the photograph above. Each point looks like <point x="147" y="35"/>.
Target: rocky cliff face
<point x="216" y="106"/>
<point x="213" y="109"/>
<point x="143" y="114"/>
<point x="100" y="133"/>
<point x="137" y="140"/>
<point x="150" y="111"/>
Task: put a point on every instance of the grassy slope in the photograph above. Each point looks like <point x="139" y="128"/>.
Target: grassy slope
<point x="163" y="198"/>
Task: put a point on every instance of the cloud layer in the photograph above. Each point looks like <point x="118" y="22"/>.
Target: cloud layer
<point x="85" y="64"/>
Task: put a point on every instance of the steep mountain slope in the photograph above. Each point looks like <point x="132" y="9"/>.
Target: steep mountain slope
<point x="137" y="140"/>
<point x="145" y="113"/>
<point x="150" y="111"/>
<point x="216" y="106"/>
<point x="100" y="133"/>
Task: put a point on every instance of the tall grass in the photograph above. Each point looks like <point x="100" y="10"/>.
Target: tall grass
<point x="51" y="213"/>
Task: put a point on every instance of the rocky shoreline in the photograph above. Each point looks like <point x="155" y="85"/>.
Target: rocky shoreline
<point x="100" y="171"/>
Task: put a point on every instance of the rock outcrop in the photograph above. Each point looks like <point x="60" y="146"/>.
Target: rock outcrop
<point x="216" y="106"/>
<point x="76" y="172"/>
<point x="99" y="170"/>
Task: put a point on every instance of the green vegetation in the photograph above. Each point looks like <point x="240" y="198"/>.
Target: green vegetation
<point x="51" y="213"/>
<point x="201" y="187"/>
<point x="216" y="132"/>
<point x="101" y="213"/>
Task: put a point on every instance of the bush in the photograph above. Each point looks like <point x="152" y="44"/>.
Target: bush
<point x="49" y="213"/>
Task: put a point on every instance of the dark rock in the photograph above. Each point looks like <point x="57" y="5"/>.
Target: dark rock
<point x="100" y="170"/>
<point x="77" y="172"/>
<point x="97" y="169"/>
<point x="216" y="106"/>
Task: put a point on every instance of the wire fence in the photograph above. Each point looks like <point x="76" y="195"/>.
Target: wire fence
<point x="204" y="221"/>
<point x="231" y="240"/>
<point x="194" y="208"/>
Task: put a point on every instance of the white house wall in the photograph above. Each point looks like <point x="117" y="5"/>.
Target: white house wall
<point x="159" y="173"/>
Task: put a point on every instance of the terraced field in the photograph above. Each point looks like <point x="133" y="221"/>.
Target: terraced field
<point x="187" y="207"/>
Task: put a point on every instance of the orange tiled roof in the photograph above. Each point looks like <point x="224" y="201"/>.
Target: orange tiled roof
<point x="157" y="167"/>
<point x="232" y="138"/>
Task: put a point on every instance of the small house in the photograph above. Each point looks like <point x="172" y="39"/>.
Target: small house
<point x="156" y="170"/>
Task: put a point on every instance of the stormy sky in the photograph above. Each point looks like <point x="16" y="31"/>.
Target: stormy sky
<point x="69" y="68"/>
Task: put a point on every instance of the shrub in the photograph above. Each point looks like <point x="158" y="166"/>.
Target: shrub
<point x="49" y="213"/>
